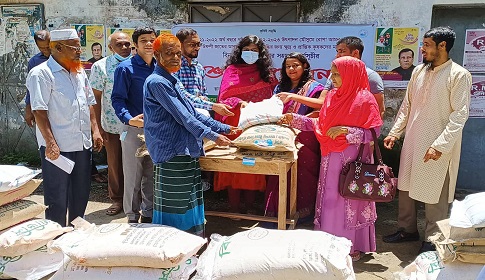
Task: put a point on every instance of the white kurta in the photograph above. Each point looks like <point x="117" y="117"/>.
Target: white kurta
<point x="433" y="114"/>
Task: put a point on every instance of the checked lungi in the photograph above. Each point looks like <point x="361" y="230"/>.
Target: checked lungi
<point x="178" y="199"/>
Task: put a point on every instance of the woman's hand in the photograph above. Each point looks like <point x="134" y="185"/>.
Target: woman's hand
<point x="243" y="104"/>
<point x="335" y="131"/>
<point x="286" y="119"/>
<point x="285" y="96"/>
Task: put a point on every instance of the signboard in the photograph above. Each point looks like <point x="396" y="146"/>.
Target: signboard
<point x="477" y="103"/>
<point x="316" y="41"/>
<point x="396" y="54"/>
<point x="474" y="51"/>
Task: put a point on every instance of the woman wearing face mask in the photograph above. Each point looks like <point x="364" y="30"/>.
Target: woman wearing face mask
<point x="248" y="77"/>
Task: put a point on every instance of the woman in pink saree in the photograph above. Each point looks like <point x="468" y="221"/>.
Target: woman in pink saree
<point x="348" y="114"/>
<point x="248" y="77"/>
<point x="297" y="80"/>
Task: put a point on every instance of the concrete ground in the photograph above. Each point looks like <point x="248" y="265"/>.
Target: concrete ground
<point x="388" y="259"/>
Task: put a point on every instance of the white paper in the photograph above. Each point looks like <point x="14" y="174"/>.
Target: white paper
<point x="63" y="163"/>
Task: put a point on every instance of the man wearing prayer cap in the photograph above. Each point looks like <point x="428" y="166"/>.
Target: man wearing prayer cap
<point x="62" y="102"/>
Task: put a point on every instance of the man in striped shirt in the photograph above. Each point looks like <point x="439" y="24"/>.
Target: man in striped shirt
<point x="191" y="74"/>
<point x="174" y="131"/>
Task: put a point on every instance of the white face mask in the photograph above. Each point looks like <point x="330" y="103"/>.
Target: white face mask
<point x="249" y="57"/>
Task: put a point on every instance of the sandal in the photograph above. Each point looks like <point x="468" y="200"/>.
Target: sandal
<point x="355" y="256"/>
<point x="114" y="209"/>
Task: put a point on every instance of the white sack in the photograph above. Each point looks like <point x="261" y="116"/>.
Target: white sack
<point x="116" y="244"/>
<point x="31" y="266"/>
<point x="14" y="176"/>
<point x="266" y="111"/>
<point x="29" y="236"/>
<point x="75" y="271"/>
<point x="276" y="254"/>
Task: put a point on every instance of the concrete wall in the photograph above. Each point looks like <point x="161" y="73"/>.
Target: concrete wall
<point x="165" y="13"/>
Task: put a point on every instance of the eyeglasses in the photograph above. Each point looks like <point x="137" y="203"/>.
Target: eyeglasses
<point x="76" y="49"/>
<point x="195" y="45"/>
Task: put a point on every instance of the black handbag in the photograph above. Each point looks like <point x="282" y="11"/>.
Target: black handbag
<point x="370" y="182"/>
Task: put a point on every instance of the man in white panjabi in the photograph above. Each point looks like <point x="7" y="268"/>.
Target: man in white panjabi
<point x="433" y="114"/>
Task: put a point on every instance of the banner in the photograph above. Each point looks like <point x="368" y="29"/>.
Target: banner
<point x="316" y="41"/>
<point x="396" y="54"/>
<point x="474" y="51"/>
<point x="477" y="103"/>
<point x="92" y="43"/>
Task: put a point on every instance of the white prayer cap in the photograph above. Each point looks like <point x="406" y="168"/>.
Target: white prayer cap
<point x="63" y="34"/>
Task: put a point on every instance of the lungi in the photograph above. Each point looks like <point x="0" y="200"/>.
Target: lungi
<point x="178" y="199"/>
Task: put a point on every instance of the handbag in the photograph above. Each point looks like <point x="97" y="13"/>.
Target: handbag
<point x="365" y="181"/>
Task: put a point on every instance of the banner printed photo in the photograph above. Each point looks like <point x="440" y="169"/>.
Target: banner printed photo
<point x="92" y="38"/>
<point x="396" y="54"/>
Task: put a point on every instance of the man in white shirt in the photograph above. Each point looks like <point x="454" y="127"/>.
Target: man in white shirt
<point x="102" y="79"/>
<point x="61" y="100"/>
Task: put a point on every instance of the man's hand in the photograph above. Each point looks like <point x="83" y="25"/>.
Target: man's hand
<point x="203" y="97"/>
<point x="389" y="142"/>
<point x="235" y="130"/>
<point x="29" y="116"/>
<point x="432" y="154"/>
<point x="335" y="131"/>
<point x="286" y="119"/>
<point x="222" y="109"/>
<point x="97" y="141"/>
<point x="137" y="121"/>
<point x="223" y="141"/>
<point x="285" y="96"/>
<point x="103" y="134"/>
<point x="52" y="151"/>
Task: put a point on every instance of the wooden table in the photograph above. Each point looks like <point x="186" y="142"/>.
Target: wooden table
<point x="225" y="160"/>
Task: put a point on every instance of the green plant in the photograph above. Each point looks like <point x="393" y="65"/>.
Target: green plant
<point x="30" y="159"/>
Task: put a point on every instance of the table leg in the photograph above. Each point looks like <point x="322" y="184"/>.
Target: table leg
<point x="293" y="190"/>
<point x="282" y="196"/>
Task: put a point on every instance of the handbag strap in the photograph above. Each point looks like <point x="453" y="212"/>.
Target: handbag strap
<point x="377" y="151"/>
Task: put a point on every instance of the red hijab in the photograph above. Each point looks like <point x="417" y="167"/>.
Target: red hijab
<point x="352" y="104"/>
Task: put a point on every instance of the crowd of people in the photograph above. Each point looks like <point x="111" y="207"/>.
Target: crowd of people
<point x="160" y="93"/>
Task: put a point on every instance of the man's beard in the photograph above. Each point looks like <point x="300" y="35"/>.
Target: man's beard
<point x="172" y="69"/>
<point x="73" y="65"/>
<point x="193" y="55"/>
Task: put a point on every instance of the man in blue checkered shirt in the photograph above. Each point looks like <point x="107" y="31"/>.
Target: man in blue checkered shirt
<point x="191" y="74"/>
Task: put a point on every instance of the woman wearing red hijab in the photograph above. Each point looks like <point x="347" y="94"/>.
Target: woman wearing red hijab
<point x="347" y="115"/>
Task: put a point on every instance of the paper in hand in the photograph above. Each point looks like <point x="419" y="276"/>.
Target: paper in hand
<point x="63" y="163"/>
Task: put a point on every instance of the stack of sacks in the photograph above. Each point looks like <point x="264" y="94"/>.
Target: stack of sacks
<point x="261" y="133"/>
<point x="462" y="236"/>
<point x="126" y="251"/>
<point x="23" y="251"/>
<point x="273" y="254"/>
<point x="429" y="266"/>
